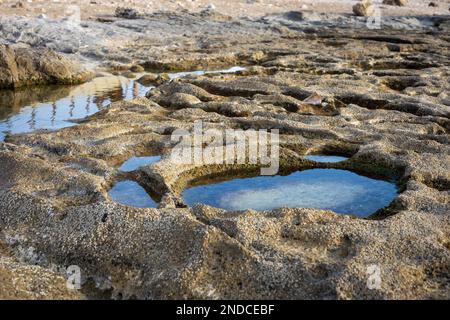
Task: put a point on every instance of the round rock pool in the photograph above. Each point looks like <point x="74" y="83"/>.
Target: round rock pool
<point x="341" y="191"/>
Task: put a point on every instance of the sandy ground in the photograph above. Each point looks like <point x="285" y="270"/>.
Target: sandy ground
<point x="90" y="8"/>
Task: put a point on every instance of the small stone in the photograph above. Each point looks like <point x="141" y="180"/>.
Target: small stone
<point x="315" y="99"/>
<point x="126" y="13"/>
<point x="182" y="100"/>
<point x="364" y="9"/>
<point x="148" y="79"/>
<point x="163" y="77"/>
<point x="18" y="4"/>
<point x="258" y="56"/>
<point x="210" y="7"/>
<point x="153" y="79"/>
<point x="433" y="4"/>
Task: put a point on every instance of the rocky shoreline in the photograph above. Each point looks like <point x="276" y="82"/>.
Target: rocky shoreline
<point x="384" y="103"/>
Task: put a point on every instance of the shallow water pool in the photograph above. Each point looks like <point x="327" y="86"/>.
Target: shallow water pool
<point x="130" y="193"/>
<point x="341" y="191"/>
<point x="55" y="107"/>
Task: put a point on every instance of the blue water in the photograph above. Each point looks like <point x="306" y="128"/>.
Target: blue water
<point x="130" y="193"/>
<point x="135" y="163"/>
<point x="341" y="191"/>
<point x="55" y="107"/>
<point x="326" y="159"/>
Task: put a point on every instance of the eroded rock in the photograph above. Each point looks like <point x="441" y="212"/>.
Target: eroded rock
<point x="385" y="110"/>
<point x="24" y="282"/>
<point x="22" y="66"/>
<point x="127" y="13"/>
<point x="364" y="8"/>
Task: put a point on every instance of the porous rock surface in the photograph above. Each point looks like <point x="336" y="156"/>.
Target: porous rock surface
<point x="384" y="104"/>
<point x="23" y="281"/>
<point x="364" y="8"/>
<point x="24" y="66"/>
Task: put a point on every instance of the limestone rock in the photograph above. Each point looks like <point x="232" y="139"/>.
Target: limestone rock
<point x="364" y="9"/>
<point x="22" y="66"/>
<point x="149" y="79"/>
<point x="180" y="100"/>
<point x="315" y="99"/>
<point x="20" y="281"/>
<point x="126" y="13"/>
<point x="188" y="88"/>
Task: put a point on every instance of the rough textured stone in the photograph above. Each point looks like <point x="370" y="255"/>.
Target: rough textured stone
<point x="153" y="79"/>
<point x="20" y="281"/>
<point x="383" y="95"/>
<point x="22" y="66"/>
<point x="364" y="8"/>
<point x="126" y="13"/>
